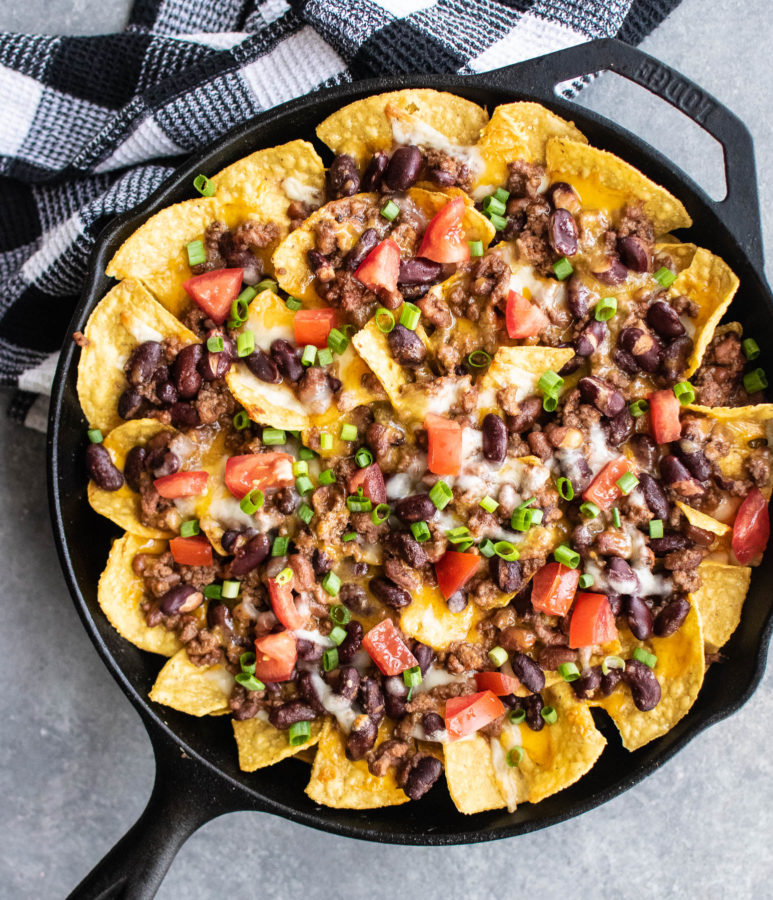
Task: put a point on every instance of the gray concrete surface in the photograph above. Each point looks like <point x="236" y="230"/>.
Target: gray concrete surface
<point x="76" y="767"/>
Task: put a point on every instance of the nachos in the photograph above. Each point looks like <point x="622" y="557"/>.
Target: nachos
<point x="430" y="461"/>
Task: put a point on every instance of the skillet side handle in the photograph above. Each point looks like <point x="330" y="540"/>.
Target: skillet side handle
<point x="185" y="796"/>
<point x="739" y="211"/>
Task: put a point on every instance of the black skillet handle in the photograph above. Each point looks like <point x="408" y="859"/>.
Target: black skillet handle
<point x="185" y="796"/>
<point x="740" y="209"/>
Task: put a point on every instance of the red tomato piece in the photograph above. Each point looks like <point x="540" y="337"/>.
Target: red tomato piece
<point x="181" y="484"/>
<point x="312" y="326"/>
<point x="283" y="604"/>
<point x="592" y="621"/>
<point x="523" y="319"/>
<point x="215" y="292"/>
<point x="444" y="240"/>
<point x="603" y="490"/>
<point x="497" y="682"/>
<point x="276" y="655"/>
<point x="664" y="417"/>
<point x="553" y="589"/>
<point x="465" y="715"/>
<point x="258" y="470"/>
<point x="371" y="480"/>
<point x="191" y="551"/>
<point x="751" y="528"/>
<point x="380" y="267"/>
<point x="454" y="570"/>
<point x="444" y="453"/>
<point x="387" y="649"/>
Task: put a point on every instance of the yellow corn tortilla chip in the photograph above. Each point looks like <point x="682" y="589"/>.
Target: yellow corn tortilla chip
<point x="743" y="415"/>
<point x="720" y="600"/>
<point x="125" y="317"/>
<point x="521" y="367"/>
<point x="121" y="591"/>
<point x="679" y="670"/>
<point x="701" y="520"/>
<point x="606" y="181"/>
<point x="260" y="744"/>
<point x="123" y="506"/>
<point x="338" y="782"/>
<point x="373" y="347"/>
<point x="470" y="775"/>
<point x="417" y="116"/>
<point x="198" y="691"/>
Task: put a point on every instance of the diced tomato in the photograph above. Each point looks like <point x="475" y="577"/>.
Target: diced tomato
<point x="603" y="490"/>
<point x="258" y="470"/>
<point x="445" y="240"/>
<point x="191" y="551"/>
<point x="454" y="570"/>
<point x="444" y="453"/>
<point x="380" y="267"/>
<point x="465" y="715"/>
<point x="312" y="326"/>
<point x="592" y="621"/>
<point x="275" y="656"/>
<point x="387" y="649"/>
<point x="497" y="682"/>
<point x="215" y="292"/>
<point x="181" y="484"/>
<point x="553" y="589"/>
<point x="523" y="319"/>
<point x="371" y="480"/>
<point x="751" y="528"/>
<point x="664" y="417"/>
<point x="283" y="604"/>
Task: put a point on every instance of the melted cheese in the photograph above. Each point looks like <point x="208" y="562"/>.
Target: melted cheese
<point x="412" y="131"/>
<point x="139" y="330"/>
<point x="337" y="706"/>
<point x="304" y="193"/>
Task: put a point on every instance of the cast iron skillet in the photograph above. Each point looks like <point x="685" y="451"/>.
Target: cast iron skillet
<point x="197" y="776"/>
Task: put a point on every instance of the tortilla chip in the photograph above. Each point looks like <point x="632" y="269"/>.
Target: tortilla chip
<point x="125" y="317"/>
<point x="121" y="591"/>
<point x="701" y="520"/>
<point x="338" y="782"/>
<point x="260" y="744"/>
<point x="679" y="671"/>
<point x="743" y="416"/>
<point x="470" y="775"/>
<point x="123" y="506"/>
<point x="720" y="600"/>
<point x="417" y="116"/>
<point x="428" y="619"/>
<point x="603" y="180"/>
<point x="373" y="347"/>
<point x="521" y="367"/>
<point x="198" y="691"/>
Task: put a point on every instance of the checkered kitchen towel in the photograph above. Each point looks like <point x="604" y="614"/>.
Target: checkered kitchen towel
<point x="90" y="126"/>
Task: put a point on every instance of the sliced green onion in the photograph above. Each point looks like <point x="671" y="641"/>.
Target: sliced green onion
<point x="247" y="662"/>
<point x="410" y="315"/>
<point x="549" y="714"/>
<point x="638" y="408"/>
<point x="299" y="733"/>
<point x="305" y="513"/>
<point x="492" y="204"/>
<point x="566" y="556"/>
<point x="586" y="581"/>
<point x="94" y="435"/>
<point x="267" y="284"/>
<point x="479" y="359"/>
<point x="300" y="467"/>
<point x="506" y="550"/>
<point x="249" y="682"/>
<point x="284" y="577"/>
<point x="562" y="268"/>
<point x="230" y="590"/>
<point x="605" y="309"/>
<point x="215" y="343"/>
<point x="589" y="510"/>
<point x="390" y="210"/>
<point x="337" y="635"/>
<point x="385" y="320"/>
<point x="340" y="614"/>
<point x="309" y="355"/>
<point x="420" y="531"/>
<point x="499" y="222"/>
<point x="324" y="357"/>
<point x="349" y="536"/>
<point x="476" y="248"/>
<point x="326" y="441"/>
<point x="204" y="186"/>
<point x="612" y="662"/>
<point x="190" y="528"/>
<point x="464" y="546"/>
<point x="306" y="453"/>
<point x="213" y="592"/>
<point x="245" y="344"/>
<point x="616" y="517"/>
<point x="502" y="195"/>
<point x="489" y="504"/>
<point x="751" y="349"/>
<point x="516" y="716"/>
<point x="293" y="303"/>
<point x="412" y="677"/>
<point x="649" y="659"/>
<point x="441" y="494"/>
<point x="523" y="518"/>
<point x="569" y="671"/>
<point x="486" y="548"/>
<point x="337" y="341"/>
<point x="279" y="547"/>
<point x="358" y="502"/>
<point x="303" y="484"/>
<point x="239" y="308"/>
<point x="380" y="514"/>
<point x="755" y="381"/>
<point x="196" y="253"/>
<point x="565" y="488"/>
<point x="498" y="656"/>
<point x="363" y="457"/>
<point x="684" y="392"/>
<point x="550" y="383"/>
<point x="515" y="754"/>
<point x="348" y="432"/>
<point x="330" y="659"/>
<point x="458" y="535"/>
<point x="273" y="436"/>
<point x="241" y="420"/>
<point x="327" y="477"/>
<point x="664" y="277"/>
<point x="627" y="482"/>
<point x="549" y="403"/>
<point x="656" y="528"/>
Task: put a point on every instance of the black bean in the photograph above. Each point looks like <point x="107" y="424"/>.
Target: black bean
<point x="619" y="428"/>
<point x="308" y="650"/>
<point x="287" y="500"/>
<point x="185" y="375"/>
<point x="131" y="404"/>
<point x="168" y="464"/>
<point x="674" y="359"/>
<point x="611" y="271"/>
<point x="216" y="365"/>
<point x="590" y="338"/>
<point x="635" y="253"/>
<point x="101" y="468"/>
<point x="604" y="396"/>
<point x="184" y="415"/>
<point x="229" y="539"/>
<point x="642" y="346"/>
<point x="308" y="691"/>
<point x="669" y="620"/>
<point x="425" y="655"/>
<point x="578" y="298"/>
<point x="674" y="472"/>
<point x="282" y="717"/>
<point x="219" y="616"/>
<point x="589" y="682"/>
<point x="527" y="671"/>
<point x="530" y="409"/>
<point x="160" y="375"/>
<point x="371" y="180"/>
<point x="133" y="467"/>
<point x="615" y="604"/>
<point x="422" y="775"/>
<point x="670" y="542"/>
<point x="645" y="450"/>
<point x="143" y="362"/>
<point x="415" y="508"/>
<point x="506" y="574"/>
<point x="347" y="682"/>
<point x="419" y="270"/>
<point x="371" y="699"/>
<point x="564" y="196"/>
<point x="408" y="549"/>
<point x="361" y="738"/>
<point x="494" y="439"/>
<point x="621" y="577"/>
<point x="343" y="178"/>
<point x="644" y="686"/>
<point x="321" y="562"/>
<point x="263" y="367"/>
<point x="576" y="469"/>
<point x="664" y="320"/>
<point x="389" y="593"/>
<point x="287" y="360"/>
<point x="571" y="366"/>
<point x="694" y="459"/>
<point x="395" y="693"/>
<point x="251" y="555"/>
<point x="432" y="724"/>
<point x="349" y="646"/>
<point x="623" y="360"/>
<point x="354" y="598"/>
<point x="403" y="168"/>
<point x="167" y="393"/>
<point x="457" y="602"/>
<point x="406" y="347"/>
<point x="533" y="706"/>
<point x="610" y="681"/>
<point x="639" y="618"/>
<point x="562" y="232"/>
<point x="183" y="598"/>
<point x="367" y="241"/>
<point x="654" y="496"/>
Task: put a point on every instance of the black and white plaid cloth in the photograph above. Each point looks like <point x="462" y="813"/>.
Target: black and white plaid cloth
<point x="91" y="125"/>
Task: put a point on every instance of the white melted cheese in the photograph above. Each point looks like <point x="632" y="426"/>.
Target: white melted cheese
<point x="264" y="336"/>
<point x="222" y="678"/>
<point x="547" y="293"/>
<point x="507" y="776"/>
<point x="334" y="704"/>
<point x="313" y="636"/>
<point x="227" y="512"/>
<point x="651" y="584"/>
<point x="438" y="737"/>
<point x="303" y="193"/>
<point x="186" y="506"/>
<point x="412" y="131"/>
<point x="599" y="453"/>
<point x="280" y="395"/>
<point x="140" y="331"/>
<point x="437" y="677"/>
